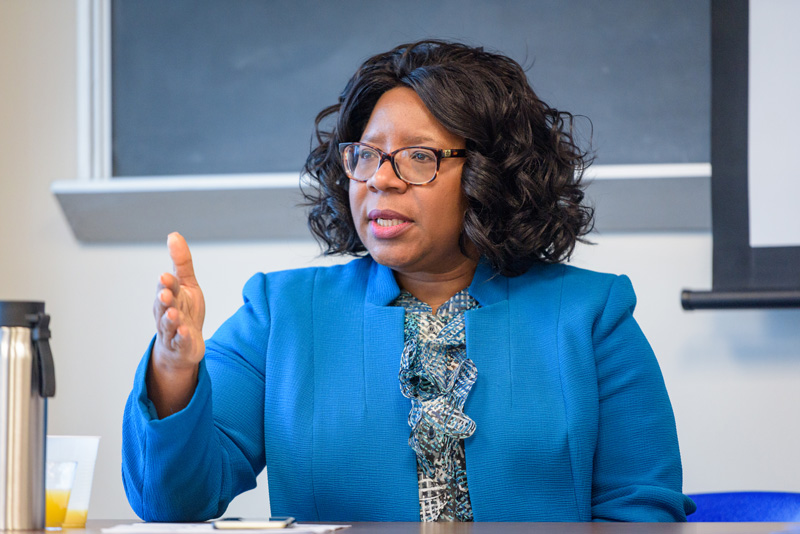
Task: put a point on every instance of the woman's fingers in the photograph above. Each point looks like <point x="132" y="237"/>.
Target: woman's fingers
<point x="177" y="335"/>
<point x="179" y="309"/>
<point x="165" y="297"/>
<point x="169" y="281"/>
<point x="168" y="325"/>
<point x="170" y="295"/>
<point x="181" y="259"/>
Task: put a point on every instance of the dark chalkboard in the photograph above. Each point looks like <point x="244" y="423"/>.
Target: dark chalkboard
<point x="233" y="86"/>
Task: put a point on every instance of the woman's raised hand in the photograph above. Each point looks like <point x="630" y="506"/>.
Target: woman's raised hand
<point x="179" y="310"/>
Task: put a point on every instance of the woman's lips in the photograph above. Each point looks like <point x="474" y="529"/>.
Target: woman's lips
<point x="386" y="224"/>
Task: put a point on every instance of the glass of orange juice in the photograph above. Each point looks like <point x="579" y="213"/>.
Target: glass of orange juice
<point x="83" y="451"/>
<point x="58" y="483"/>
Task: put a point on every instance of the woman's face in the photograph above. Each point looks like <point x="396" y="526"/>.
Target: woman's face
<point x="414" y="229"/>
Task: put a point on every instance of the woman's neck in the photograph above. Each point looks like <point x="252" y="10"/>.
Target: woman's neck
<point x="434" y="289"/>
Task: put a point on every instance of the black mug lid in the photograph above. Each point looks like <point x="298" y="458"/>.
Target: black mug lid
<point x="17" y="312"/>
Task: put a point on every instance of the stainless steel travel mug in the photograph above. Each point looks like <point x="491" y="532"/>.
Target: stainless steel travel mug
<point x="27" y="378"/>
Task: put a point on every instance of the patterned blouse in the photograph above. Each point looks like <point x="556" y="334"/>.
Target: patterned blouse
<point x="437" y="376"/>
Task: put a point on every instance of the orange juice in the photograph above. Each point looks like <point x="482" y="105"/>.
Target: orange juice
<point x="75" y="519"/>
<point x="56" y="506"/>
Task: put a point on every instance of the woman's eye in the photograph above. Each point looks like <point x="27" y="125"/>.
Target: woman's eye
<point x="423" y="156"/>
<point x="366" y="154"/>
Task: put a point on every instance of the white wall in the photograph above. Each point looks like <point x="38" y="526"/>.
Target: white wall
<point x="733" y="376"/>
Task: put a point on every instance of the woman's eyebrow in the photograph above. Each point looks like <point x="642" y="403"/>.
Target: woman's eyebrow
<point x="406" y="141"/>
<point x="420" y="140"/>
<point x="424" y="139"/>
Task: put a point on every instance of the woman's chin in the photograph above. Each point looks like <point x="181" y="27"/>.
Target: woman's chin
<point x="396" y="262"/>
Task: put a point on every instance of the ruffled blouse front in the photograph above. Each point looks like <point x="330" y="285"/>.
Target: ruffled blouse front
<point x="437" y="376"/>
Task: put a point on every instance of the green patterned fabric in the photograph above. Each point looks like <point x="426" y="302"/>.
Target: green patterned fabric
<point x="437" y="376"/>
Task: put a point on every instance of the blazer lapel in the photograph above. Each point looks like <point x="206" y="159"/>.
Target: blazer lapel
<point x="488" y="345"/>
<point x="517" y="401"/>
<point x="387" y="409"/>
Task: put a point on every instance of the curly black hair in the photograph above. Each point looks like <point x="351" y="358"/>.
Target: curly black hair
<point x="522" y="175"/>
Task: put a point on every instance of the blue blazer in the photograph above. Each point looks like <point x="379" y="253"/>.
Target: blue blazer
<point x="573" y="418"/>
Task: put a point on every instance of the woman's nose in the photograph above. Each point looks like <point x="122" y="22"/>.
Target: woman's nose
<point x="386" y="179"/>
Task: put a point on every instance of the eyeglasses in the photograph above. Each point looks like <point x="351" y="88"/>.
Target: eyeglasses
<point x="416" y="165"/>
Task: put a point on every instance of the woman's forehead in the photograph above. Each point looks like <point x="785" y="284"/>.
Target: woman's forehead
<point x="400" y="116"/>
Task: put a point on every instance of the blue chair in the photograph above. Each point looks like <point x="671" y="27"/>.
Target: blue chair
<point x="768" y="506"/>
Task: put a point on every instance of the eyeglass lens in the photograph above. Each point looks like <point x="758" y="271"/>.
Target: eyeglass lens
<point x="414" y="165"/>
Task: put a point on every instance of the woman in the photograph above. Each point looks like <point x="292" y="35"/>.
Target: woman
<point x="457" y="371"/>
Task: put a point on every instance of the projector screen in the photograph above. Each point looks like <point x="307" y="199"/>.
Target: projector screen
<point x="774" y="119"/>
<point x="754" y="138"/>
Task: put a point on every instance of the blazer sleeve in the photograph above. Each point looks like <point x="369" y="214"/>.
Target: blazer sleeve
<point x="191" y="464"/>
<point x="637" y="466"/>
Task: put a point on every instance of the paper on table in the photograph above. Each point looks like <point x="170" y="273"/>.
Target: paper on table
<point x="208" y="528"/>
